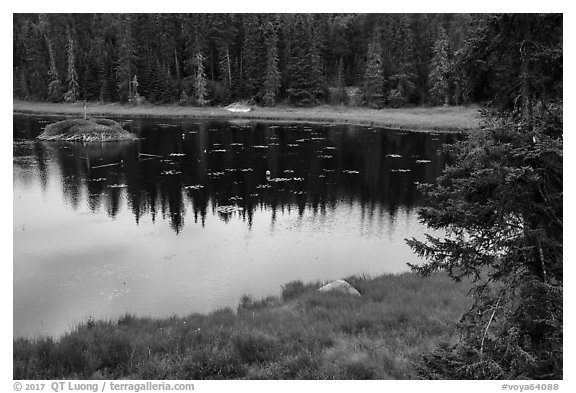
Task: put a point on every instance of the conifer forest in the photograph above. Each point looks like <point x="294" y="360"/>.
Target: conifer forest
<point x="374" y="60"/>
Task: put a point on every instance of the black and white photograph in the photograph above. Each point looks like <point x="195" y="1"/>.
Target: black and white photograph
<point x="287" y="196"/>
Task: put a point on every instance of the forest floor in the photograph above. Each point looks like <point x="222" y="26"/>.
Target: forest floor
<point x="302" y="334"/>
<point x="437" y="119"/>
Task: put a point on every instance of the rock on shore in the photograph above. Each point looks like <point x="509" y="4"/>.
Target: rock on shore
<point x="340" y="286"/>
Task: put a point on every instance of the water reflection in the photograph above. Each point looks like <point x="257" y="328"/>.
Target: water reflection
<point x="220" y="168"/>
<point x="186" y="219"/>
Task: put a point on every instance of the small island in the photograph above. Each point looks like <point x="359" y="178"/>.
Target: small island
<point x="86" y="130"/>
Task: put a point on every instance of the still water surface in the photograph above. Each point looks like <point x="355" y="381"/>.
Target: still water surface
<point x="187" y="220"/>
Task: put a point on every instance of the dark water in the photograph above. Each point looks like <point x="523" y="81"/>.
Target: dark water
<point x="187" y="220"/>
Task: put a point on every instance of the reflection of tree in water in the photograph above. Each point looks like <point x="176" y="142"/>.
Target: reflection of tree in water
<point x="209" y="166"/>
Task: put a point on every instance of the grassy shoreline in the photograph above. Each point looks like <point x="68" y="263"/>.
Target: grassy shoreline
<point x="302" y="334"/>
<point x="437" y="119"/>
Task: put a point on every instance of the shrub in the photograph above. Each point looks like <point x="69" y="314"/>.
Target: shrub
<point x="354" y="96"/>
<point x="292" y="290"/>
<point x="337" y="96"/>
<point x="395" y="99"/>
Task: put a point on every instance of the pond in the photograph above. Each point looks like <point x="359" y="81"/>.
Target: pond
<point x="197" y="213"/>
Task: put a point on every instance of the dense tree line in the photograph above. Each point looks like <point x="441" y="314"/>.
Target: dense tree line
<point x="214" y="59"/>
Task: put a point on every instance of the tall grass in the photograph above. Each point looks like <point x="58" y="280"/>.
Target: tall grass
<point x="303" y="334"/>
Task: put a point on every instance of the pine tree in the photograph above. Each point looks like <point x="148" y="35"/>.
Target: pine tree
<point x="272" y="77"/>
<point x="373" y="88"/>
<point x="72" y="77"/>
<point x="439" y="72"/>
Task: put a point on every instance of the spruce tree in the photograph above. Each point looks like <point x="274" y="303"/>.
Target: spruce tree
<point x="272" y="77"/>
<point x="125" y="69"/>
<point x="29" y="58"/>
<point x="439" y="71"/>
<point x="339" y="95"/>
<point x="422" y="26"/>
<point x="306" y="85"/>
<point x="298" y="66"/>
<point x="200" y="83"/>
<point x="317" y="82"/>
<point x="373" y="87"/>
<point x="403" y="76"/>
<point x="90" y="77"/>
<point x="253" y="56"/>
<point x="72" y="77"/>
<point x="500" y="205"/>
<point x="54" y="83"/>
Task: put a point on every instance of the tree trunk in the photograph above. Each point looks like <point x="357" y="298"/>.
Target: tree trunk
<point x="525" y="71"/>
<point x="178" y="76"/>
<point x="228" y="63"/>
<point x="525" y="90"/>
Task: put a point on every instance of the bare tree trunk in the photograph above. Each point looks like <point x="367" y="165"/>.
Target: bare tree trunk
<point x="228" y="61"/>
<point x="178" y="76"/>
<point x="525" y="89"/>
<point x="525" y="70"/>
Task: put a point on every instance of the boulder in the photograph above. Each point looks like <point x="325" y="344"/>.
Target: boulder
<point x="340" y="286"/>
<point x="239" y="107"/>
<point x="86" y="130"/>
